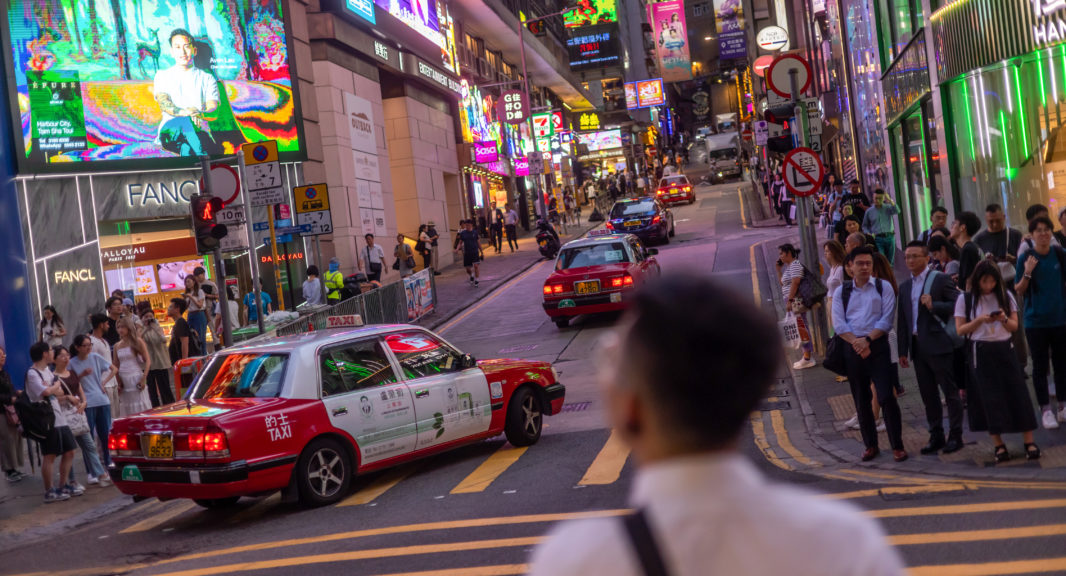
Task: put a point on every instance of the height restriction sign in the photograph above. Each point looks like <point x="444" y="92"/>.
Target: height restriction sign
<point x="803" y="171"/>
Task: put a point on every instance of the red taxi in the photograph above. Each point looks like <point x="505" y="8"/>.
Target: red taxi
<point x="596" y="274"/>
<point x="304" y="414"/>
<point x="675" y="188"/>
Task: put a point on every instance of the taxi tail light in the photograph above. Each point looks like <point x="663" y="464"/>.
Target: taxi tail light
<point x="688" y="188"/>
<point x="608" y="225"/>
<point x="627" y="280"/>
<point x="557" y="288"/>
<point x="215" y="444"/>
<point x="123" y="444"/>
<point x="661" y="192"/>
<point x="547" y="289"/>
<point x="621" y="281"/>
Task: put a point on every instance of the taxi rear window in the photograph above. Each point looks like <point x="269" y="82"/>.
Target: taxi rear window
<point x="592" y="255"/>
<point x="632" y="209"/>
<point x="674" y="180"/>
<point x="242" y="376"/>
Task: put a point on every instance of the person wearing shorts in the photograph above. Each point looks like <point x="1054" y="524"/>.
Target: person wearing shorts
<point x="468" y="243"/>
<point x="41" y="384"/>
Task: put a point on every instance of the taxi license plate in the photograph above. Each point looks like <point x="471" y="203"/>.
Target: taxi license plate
<point x="159" y="445"/>
<point x="587" y="287"/>
<point x="632" y="223"/>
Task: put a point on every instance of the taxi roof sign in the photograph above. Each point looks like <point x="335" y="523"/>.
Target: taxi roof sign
<point x="260" y="152"/>
<point x="601" y="232"/>
<point x="345" y="321"/>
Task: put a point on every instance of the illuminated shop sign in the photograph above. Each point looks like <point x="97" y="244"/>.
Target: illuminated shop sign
<point x="485" y="152"/>
<point x="650" y="93"/>
<point x="631" y="95"/>
<point x="1048" y="31"/>
<point x="432" y="73"/>
<point x="594" y="47"/>
<point x="157" y="85"/>
<point x="591" y="12"/>
<point x="420" y="15"/>
<point x="604" y="140"/>
<point x="364" y="8"/>
<point x="589" y="121"/>
<point x="159" y="193"/>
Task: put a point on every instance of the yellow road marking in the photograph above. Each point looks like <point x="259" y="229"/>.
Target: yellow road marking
<point x="968" y="508"/>
<point x="359" y="555"/>
<point x="758" y="430"/>
<point x="489" y="470"/>
<point x="777" y="420"/>
<point x="379" y="486"/>
<point x="451" y="323"/>
<point x="899" y="490"/>
<point x="978" y="535"/>
<point x="256" y="510"/>
<point x="607" y="466"/>
<point x="155" y="521"/>
<point x="993" y="568"/>
<point x="351" y="535"/>
<point x="743" y="219"/>
<point x="501" y="570"/>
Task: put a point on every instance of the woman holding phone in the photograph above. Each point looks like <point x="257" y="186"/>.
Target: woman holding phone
<point x="988" y="314"/>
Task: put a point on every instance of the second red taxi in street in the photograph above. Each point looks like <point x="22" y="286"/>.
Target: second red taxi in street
<point x="304" y="414"/>
<point x="597" y="274"/>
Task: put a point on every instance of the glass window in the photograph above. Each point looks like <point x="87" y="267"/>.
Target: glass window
<point x="592" y="255"/>
<point x="242" y="376"/>
<point x="355" y="366"/>
<point x="642" y="208"/>
<point x="420" y="354"/>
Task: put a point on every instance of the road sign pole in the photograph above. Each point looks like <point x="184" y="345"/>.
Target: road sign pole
<point x="256" y="284"/>
<point x="807" y="227"/>
<point x="321" y="267"/>
<point x="220" y="269"/>
<point x="274" y="254"/>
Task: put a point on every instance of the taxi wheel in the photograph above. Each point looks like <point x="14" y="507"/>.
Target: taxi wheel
<point x="525" y="418"/>
<point x="217" y="503"/>
<point x="562" y="322"/>
<point x="323" y="473"/>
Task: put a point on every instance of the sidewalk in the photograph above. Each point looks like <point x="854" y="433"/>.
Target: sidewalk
<point x="827" y="403"/>
<point x="25" y="517"/>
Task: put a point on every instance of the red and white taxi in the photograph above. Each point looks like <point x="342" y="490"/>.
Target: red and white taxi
<point x="675" y="188"/>
<point x="304" y="414"/>
<point x="597" y="274"/>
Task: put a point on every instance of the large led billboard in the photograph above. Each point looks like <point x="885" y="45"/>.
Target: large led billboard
<point x="591" y="12"/>
<point x="604" y="140"/>
<point x="594" y="47"/>
<point x="104" y="84"/>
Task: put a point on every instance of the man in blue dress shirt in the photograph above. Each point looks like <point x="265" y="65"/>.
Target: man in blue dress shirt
<point x="863" y="312"/>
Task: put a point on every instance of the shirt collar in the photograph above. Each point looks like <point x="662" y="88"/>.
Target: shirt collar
<point x="920" y="279"/>
<point x="694" y="475"/>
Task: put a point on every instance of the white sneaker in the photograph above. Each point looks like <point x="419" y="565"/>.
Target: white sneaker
<point x="880" y="425"/>
<point x="852" y="422"/>
<point x="1062" y="414"/>
<point x="104" y="480"/>
<point x="93" y="479"/>
<point x="803" y="363"/>
<point x="1049" y="421"/>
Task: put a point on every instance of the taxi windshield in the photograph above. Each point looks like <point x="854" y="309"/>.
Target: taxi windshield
<point x="242" y="376"/>
<point x="623" y="209"/>
<point x="592" y="255"/>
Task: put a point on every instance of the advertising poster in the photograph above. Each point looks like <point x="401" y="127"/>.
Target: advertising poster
<point x="143" y="79"/>
<point x="671" y="40"/>
<point x="650" y="93"/>
<point x="604" y="140"/>
<point x="419" y="291"/>
<point x="591" y="13"/>
<point x="421" y="15"/>
<point x="631" y="95"/>
<point x="361" y="123"/>
<point x="729" y="17"/>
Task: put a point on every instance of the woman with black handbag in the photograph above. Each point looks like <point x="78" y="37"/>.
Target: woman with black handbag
<point x="10" y="454"/>
<point x="405" y="257"/>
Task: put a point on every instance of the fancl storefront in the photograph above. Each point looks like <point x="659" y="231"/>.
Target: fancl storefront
<point x="108" y="118"/>
<point x="1004" y="92"/>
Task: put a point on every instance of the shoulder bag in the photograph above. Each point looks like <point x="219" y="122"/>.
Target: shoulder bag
<point x="373" y="267"/>
<point x="37" y="418"/>
<point x="77" y="421"/>
<point x="949" y="327"/>
<point x="811" y="289"/>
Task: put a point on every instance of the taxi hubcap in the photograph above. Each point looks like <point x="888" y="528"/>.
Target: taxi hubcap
<point x="325" y="472"/>
<point x="532" y="415"/>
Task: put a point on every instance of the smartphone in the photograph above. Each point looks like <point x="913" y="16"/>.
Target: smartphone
<point x="996" y="313"/>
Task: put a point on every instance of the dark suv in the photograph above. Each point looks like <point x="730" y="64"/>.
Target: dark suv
<point x="646" y="218"/>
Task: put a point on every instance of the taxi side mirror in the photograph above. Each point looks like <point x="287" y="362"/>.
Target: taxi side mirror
<point x="468" y="361"/>
<point x="651" y="251"/>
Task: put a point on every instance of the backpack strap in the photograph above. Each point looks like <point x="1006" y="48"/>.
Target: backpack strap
<point x="643" y="541"/>
<point x="845" y="295"/>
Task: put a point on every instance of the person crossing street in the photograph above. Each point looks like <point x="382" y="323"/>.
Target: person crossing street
<point x="468" y="244"/>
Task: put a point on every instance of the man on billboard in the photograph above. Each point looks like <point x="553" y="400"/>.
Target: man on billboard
<point x="185" y="94"/>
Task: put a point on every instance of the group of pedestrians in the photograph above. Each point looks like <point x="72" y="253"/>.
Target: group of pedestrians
<point x="974" y="301"/>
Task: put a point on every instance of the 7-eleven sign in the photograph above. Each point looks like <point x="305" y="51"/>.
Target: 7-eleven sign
<point x="542" y="125"/>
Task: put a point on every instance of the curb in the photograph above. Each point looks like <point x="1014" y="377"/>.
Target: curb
<point x="60" y="527"/>
<point x="851" y="457"/>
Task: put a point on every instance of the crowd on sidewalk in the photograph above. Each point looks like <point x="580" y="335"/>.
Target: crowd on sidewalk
<point x="976" y="307"/>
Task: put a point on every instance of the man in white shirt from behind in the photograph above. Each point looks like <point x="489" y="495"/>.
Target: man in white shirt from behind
<point x="186" y="96"/>
<point x="708" y="509"/>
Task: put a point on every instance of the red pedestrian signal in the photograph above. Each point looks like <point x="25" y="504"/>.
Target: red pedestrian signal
<point x="208" y="231"/>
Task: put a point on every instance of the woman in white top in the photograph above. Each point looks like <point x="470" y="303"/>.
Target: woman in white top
<point x="52" y="328"/>
<point x="988" y="314"/>
<point x="133" y="362"/>
<point x="834" y="256"/>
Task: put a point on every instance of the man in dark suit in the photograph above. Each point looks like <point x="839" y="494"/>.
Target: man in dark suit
<point x="926" y="304"/>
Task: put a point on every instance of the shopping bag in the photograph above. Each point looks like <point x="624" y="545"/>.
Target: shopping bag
<point x="790" y="332"/>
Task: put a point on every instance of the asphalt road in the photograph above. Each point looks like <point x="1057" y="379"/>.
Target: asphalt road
<point x="480" y="510"/>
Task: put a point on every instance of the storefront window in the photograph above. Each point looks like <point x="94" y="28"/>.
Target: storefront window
<point x="868" y="109"/>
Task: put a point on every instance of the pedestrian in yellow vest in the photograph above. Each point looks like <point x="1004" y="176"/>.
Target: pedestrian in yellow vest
<point x="334" y="281"/>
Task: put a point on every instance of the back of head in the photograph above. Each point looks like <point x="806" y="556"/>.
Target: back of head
<point x="971" y="222"/>
<point x="700" y="375"/>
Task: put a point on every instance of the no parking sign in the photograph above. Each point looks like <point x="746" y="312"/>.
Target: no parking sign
<point x="803" y="172"/>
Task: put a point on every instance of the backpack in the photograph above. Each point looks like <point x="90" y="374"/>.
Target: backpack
<point x="37" y="418"/>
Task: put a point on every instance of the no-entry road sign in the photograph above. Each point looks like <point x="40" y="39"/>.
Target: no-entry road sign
<point x="777" y="76"/>
<point x="803" y="171"/>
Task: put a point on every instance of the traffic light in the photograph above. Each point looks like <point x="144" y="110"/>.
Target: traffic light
<point x="209" y="233"/>
<point x="781" y="144"/>
<point x="536" y="27"/>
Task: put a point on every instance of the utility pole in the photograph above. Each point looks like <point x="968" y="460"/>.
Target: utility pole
<point x="220" y="269"/>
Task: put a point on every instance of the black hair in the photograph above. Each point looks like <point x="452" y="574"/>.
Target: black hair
<point x="180" y="303"/>
<point x="860" y="251"/>
<point x="180" y="32"/>
<point x="993" y="208"/>
<point x="879" y="191"/>
<point x="56" y="318"/>
<point x="60" y="348"/>
<point x="97" y="319"/>
<point x="368" y="235"/>
<point x="1034" y="211"/>
<point x="681" y="325"/>
<point x="988" y="268"/>
<point x="970" y="221"/>
<point x="942" y="230"/>
<point x="112" y="300"/>
<point x="199" y="270"/>
<point x="312" y="270"/>
<point x="917" y="244"/>
<point x="788" y="248"/>
<point x="79" y="340"/>
<point x="938" y="209"/>
<point x="37" y="351"/>
<point x="936" y="243"/>
<point x="1038" y="221"/>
